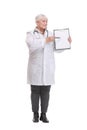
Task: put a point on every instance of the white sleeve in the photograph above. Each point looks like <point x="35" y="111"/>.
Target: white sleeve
<point x="34" y="43"/>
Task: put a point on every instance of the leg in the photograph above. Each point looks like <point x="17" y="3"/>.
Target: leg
<point x="44" y="102"/>
<point x="35" y="93"/>
<point x="44" y="93"/>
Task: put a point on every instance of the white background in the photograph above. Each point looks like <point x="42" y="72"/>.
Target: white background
<point x="68" y="97"/>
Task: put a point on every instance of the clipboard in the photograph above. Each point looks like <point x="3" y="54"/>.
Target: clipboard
<point x="61" y="39"/>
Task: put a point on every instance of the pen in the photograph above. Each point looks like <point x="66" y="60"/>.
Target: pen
<point x="58" y="37"/>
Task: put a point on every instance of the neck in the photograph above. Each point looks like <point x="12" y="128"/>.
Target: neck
<point x="41" y="30"/>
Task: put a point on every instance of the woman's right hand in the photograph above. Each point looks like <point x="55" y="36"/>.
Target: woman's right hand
<point x="50" y="39"/>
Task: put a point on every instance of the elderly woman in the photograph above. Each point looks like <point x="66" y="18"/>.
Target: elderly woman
<point x="41" y="66"/>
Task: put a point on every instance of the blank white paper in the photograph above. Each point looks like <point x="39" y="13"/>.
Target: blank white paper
<point x="61" y="39"/>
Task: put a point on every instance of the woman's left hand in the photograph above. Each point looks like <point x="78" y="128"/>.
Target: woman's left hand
<point x="69" y="39"/>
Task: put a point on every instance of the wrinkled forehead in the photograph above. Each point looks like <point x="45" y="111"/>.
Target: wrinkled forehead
<point x="40" y="17"/>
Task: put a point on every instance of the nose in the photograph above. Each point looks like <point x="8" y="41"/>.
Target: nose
<point x="45" y="23"/>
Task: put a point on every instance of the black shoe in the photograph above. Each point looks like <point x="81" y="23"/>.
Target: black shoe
<point x="44" y="118"/>
<point x="36" y="117"/>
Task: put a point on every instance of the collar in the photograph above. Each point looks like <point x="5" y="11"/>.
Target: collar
<point x="38" y="31"/>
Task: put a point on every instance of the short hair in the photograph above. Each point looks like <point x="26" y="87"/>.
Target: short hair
<point x="38" y="17"/>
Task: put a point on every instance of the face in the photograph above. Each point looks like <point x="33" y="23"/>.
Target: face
<point x="42" y="23"/>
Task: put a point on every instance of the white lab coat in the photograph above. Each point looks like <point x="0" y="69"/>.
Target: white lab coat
<point x="41" y="64"/>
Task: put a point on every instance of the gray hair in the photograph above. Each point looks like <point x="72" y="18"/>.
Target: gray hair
<point x="38" y="17"/>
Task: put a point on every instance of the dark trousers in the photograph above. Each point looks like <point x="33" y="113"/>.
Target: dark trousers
<point x="40" y="93"/>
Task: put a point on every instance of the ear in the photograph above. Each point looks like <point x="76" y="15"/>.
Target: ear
<point x="37" y="23"/>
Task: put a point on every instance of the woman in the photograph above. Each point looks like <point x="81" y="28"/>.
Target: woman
<point x="41" y="66"/>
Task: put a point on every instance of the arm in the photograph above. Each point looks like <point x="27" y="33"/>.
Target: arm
<point x="37" y="43"/>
